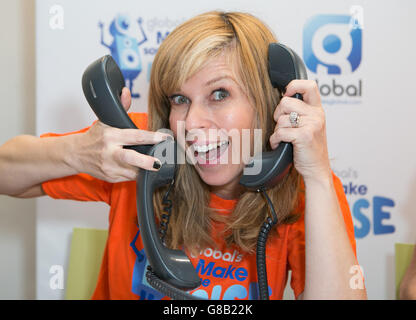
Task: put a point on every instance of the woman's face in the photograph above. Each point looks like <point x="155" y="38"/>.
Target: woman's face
<point x="213" y="110"/>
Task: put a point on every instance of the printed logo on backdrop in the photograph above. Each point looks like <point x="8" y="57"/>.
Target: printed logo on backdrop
<point x="371" y="211"/>
<point x="134" y="42"/>
<point x="332" y="50"/>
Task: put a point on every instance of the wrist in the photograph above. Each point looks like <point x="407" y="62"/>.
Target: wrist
<point x="324" y="178"/>
<point x="69" y="153"/>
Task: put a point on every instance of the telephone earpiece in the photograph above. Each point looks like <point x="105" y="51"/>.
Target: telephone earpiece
<point x="102" y="83"/>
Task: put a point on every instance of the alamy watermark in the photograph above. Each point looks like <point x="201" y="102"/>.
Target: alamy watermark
<point x="56" y="17"/>
<point x="213" y="146"/>
<point x="56" y="280"/>
<point x="357" y="17"/>
<point x="357" y="278"/>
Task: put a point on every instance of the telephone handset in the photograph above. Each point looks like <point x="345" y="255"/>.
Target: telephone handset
<point x="284" y="66"/>
<point x="170" y="269"/>
<point x="102" y="83"/>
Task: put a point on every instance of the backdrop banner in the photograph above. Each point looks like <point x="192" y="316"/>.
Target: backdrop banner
<point x="359" y="52"/>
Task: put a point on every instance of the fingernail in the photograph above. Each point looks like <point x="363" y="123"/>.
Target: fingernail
<point x="167" y="137"/>
<point x="157" y="165"/>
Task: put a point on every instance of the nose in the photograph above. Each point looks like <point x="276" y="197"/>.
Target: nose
<point x="198" y="117"/>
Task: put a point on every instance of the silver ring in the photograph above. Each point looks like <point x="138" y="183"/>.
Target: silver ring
<point x="294" y="119"/>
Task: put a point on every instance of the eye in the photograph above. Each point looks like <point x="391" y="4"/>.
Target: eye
<point x="178" y="99"/>
<point x="220" y="94"/>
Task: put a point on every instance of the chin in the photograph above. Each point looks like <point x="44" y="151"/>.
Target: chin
<point x="219" y="177"/>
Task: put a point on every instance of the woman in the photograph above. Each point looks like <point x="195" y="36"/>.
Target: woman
<point x="210" y="73"/>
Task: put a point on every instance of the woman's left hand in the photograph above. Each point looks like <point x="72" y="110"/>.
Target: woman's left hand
<point x="310" y="152"/>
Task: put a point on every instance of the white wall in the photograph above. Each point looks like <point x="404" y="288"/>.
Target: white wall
<point x="17" y="116"/>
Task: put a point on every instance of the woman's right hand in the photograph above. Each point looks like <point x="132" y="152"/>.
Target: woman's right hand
<point x="100" y="153"/>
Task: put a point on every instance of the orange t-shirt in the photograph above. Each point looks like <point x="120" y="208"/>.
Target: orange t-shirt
<point x="226" y="273"/>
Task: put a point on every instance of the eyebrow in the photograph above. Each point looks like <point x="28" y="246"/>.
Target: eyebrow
<point x="226" y="76"/>
<point x="212" y="81"/>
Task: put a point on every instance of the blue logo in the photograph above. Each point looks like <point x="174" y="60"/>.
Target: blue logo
<point x="372" y="213"/>
<point x="332" y="44"/>
<point x="378" y="210"/>
<point x="140" y="286"/>
<point x="125" y="48"/>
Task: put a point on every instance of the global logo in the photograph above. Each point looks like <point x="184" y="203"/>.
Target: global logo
<point x="332" y="44"/>
<point x="133" y="43"/>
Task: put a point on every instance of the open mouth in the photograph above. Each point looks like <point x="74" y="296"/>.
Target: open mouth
<point x="210" y="153"/>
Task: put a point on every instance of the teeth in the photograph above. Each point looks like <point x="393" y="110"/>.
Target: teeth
<point x="209" y="147"/>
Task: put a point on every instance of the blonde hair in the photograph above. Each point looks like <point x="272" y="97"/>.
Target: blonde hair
<point x="183" y="53"/>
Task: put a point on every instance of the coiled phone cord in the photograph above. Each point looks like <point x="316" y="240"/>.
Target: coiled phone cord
<point x="163" y="229"/>
<point x="178" y="294"/>
<point x="261" y="250"/>
<point x="166" y="288"/>
<point x="151" y="277"/>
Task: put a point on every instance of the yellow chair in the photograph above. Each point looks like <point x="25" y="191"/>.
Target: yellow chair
<point x="403" y="256"/>
<point x="87" y="248"/>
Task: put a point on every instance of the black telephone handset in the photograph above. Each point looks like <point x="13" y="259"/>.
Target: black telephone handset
<point x="102" y="83"/>
<point x="284" y="66"/>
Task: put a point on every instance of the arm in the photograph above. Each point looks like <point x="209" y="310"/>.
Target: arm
<point x="27" y="161"/>
<point x="408" y="284"/>
<point x="329" y="256"/>
<point x="101" y="26"/>
<point x="328" y="252"/>
<point x="139" y="21"/>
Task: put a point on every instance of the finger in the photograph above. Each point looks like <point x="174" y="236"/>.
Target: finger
<point x="126" y="98"/>
<point x="139" y="160"/>
<point x="99" y="123"/>
<point x="283" y="135"/>
<point x="288" y="104"/>
<point x="131" y="137"/>
<point x="284" y="121"/>
<point x="307" y="88"/>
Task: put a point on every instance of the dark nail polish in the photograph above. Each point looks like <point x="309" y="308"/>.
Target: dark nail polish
<point x="157" y="165"/>
<point x="169" y="138"/>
